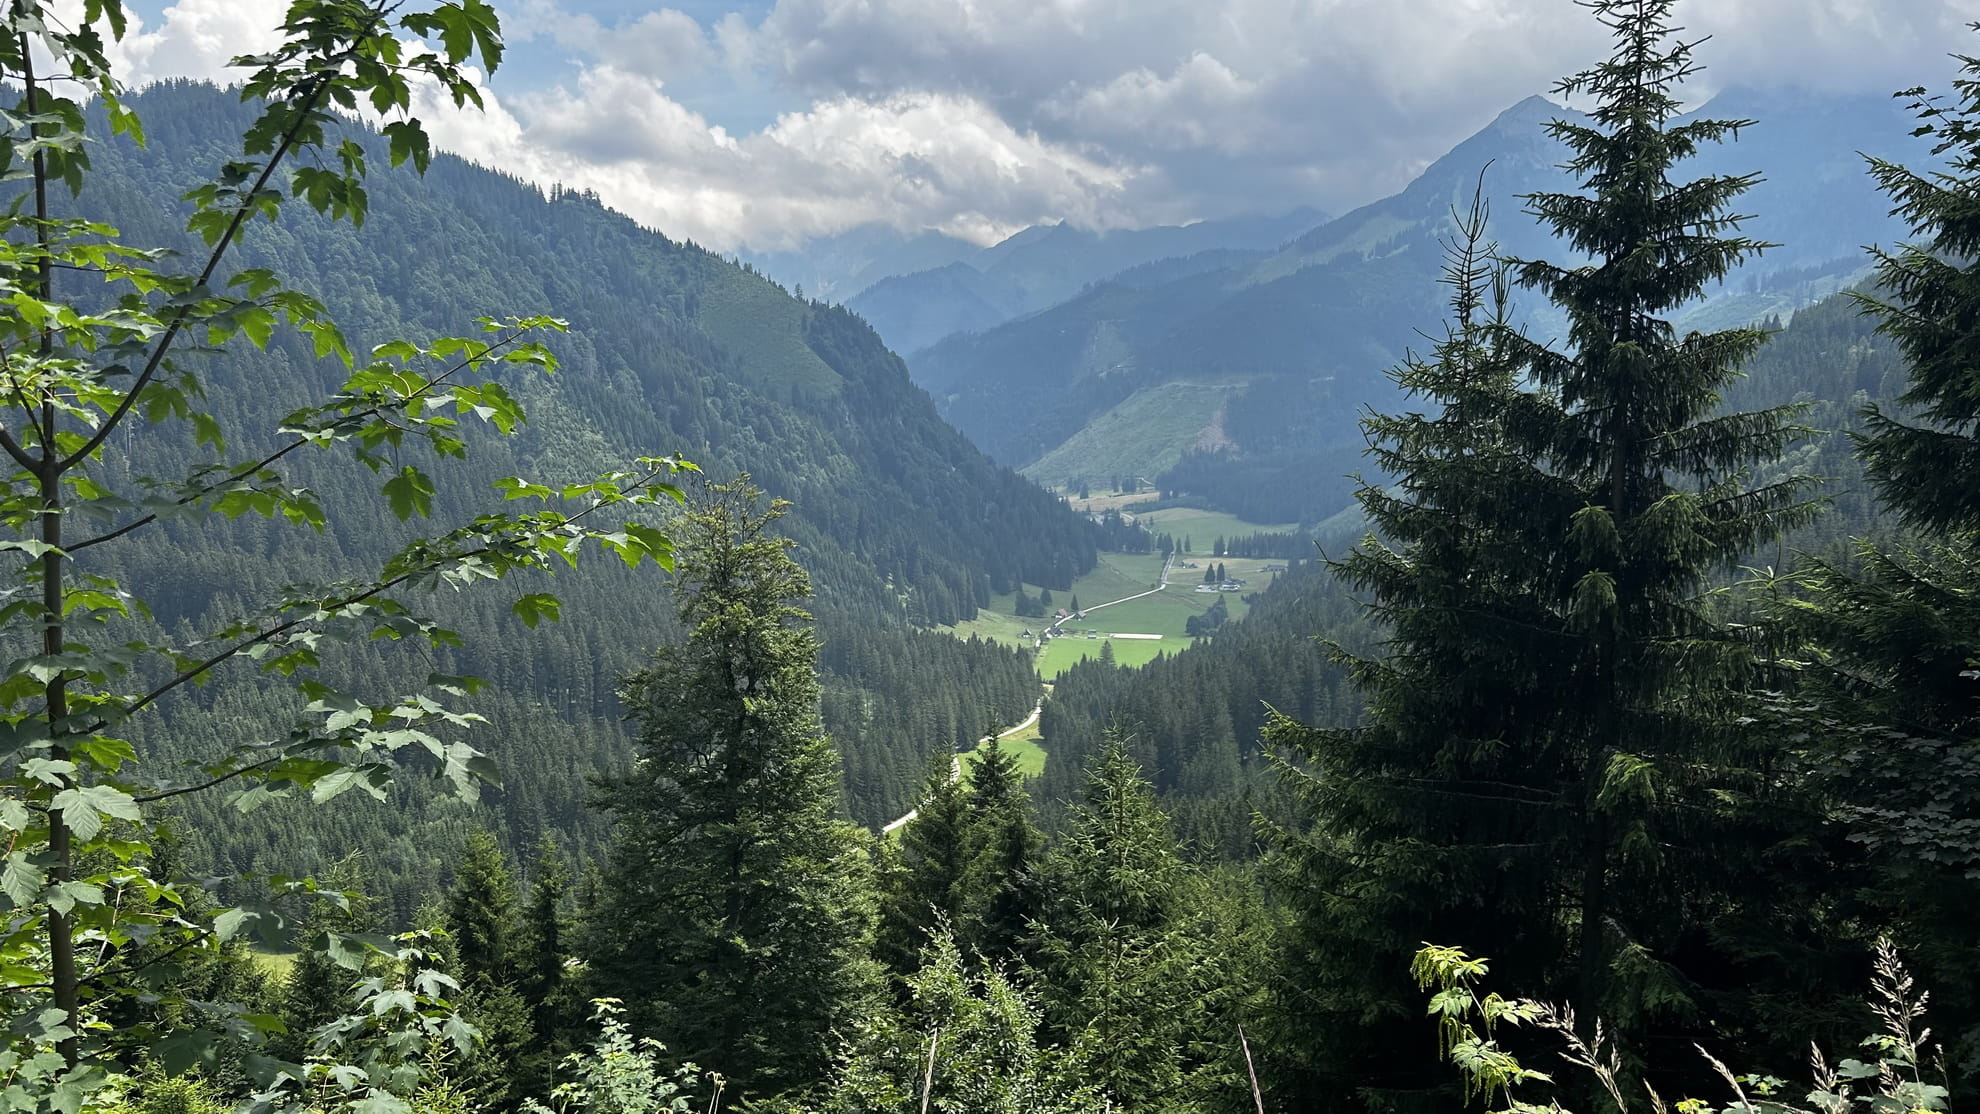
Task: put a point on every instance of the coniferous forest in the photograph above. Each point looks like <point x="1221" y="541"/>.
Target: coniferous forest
<point x="470" y="652"/>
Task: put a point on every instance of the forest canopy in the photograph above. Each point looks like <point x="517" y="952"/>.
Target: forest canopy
<point x="414" y="703"/>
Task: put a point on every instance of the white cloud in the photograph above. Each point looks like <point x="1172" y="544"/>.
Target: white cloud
<point x="910" y="159"/>
<point x="197" y="39"/>
<point x="980" y="116"/>
<point x="1200" y="106"/>
<point x="1239" y="101"/>
<point x="914" y="161"/>
<point x="661" y="44"/>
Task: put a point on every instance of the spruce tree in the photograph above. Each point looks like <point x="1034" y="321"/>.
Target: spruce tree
<point x="1135" y="961"/>
<point x="1550" y="752"/>
<point x="544" y="946"/>
<point x="921" y="879"/>
<point x="1893" y="694"/>
<point x="999" y="894"/>
<point x="965" y="864"/>
<point x="481" y="914"/>
<point x="1924" y="457"/>
<point x="737" y="914"/>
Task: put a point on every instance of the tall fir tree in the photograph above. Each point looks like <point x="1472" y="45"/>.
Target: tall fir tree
<point x="1550" y="764"/>
<point x="481" y="914"/>
<point x="999" y="893"/>
<point x="921" y="876"/>
<point x="1893" y="693"/>
<point x="737" y="916"/>
<point x="543" y="948"/>
<point x="1140" y="965"/>
<point x="965" y="865"/>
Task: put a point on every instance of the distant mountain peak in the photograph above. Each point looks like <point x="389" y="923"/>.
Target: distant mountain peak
<point x="1535" y="109"/>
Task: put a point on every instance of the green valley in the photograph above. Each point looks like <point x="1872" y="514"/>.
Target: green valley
<point x="1284" y="352"/>
<point x="474" y="650"/>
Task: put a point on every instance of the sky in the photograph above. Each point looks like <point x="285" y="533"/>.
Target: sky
<point x="766" y="124"/>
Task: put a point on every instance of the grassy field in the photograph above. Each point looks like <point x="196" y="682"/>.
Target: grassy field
<point x="1166" y="613"/>
<point x="997" y="626"/>
<point x="1120" y="575"/>
<point x="1024" y="745"/>
<point x="1115" y="576"/>
<point x="1202" y="527"/>
<point x="1064" y="653"/>
<point x="1120" y="501"/>
<point x="1145" y="435"/>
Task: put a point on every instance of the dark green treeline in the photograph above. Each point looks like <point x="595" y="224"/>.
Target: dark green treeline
<point x="1606" y="696"/>
<point x="670" y="349"/>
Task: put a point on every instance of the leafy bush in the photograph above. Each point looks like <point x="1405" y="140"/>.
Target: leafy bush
<point x="1890" y="1079"/>
<point x="619" y="1074"/>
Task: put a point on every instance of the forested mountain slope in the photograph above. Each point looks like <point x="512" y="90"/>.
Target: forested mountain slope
<point x="670" y="349"/>
<point x="1195" y="717"/>
<point x="1295" y="344"/>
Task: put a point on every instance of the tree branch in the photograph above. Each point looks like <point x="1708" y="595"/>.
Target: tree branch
<point x="318" y="86"/>
<point x="220" y="780"/>
<point x="246" y="470"/>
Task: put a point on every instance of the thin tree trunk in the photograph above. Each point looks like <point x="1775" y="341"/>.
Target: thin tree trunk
<point x="928" y="1079"/>
<point x="66" y="986"/>
<point x="1594" y="910"/>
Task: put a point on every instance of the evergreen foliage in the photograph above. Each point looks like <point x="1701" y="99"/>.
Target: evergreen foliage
<point x="1142" y="965"/>
<point x="921" y="879"/>
<point x="1891" y="700"/>
<point x="1569" y="747"/>
<point x="481" y="906"/>
<point x="737" y="917"/>
<point x="1551" y="760"/>
<point x="965" y="866"/>
<point x="999" y="894"/>
<point x="670" y="348"/>
<point x="544" y="947"/>
<point x="99" y="916"/>
<point x="1192" y="719"/>
<point x="1921" y="456"/>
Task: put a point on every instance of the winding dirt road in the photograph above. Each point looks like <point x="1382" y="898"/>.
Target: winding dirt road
<point x="955" y="764"/>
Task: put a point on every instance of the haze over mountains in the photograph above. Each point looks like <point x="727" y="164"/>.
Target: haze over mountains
<point x="1045" y="265"/>
<point x="1238" y="374"/>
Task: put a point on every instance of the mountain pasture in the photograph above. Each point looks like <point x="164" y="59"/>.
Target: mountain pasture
<point x="1144" y="435"/>
<point x="1024" y="746"/>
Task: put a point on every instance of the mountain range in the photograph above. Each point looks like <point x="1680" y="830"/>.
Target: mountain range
<point x="1239" y="379"/>
<point x="902" y="523"/>
<point x="1045" y="265"/>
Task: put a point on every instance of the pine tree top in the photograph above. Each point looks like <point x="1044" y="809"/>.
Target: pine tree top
<point x="1923" y="457"/>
